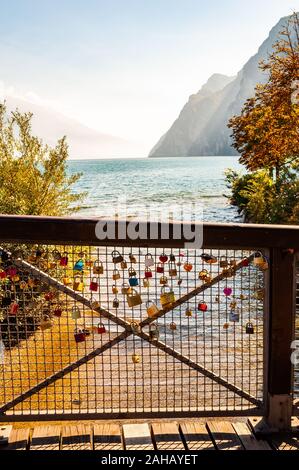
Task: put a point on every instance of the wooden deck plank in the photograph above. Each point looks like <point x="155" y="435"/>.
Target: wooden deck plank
<point x="248" y="439"/>
<point x="137" y="437"/>
<point x="285" y="443"/>
<point x="5" y="431"/>
<point x="224" y="435"/>
<point x="107" y="437"/>
<point x="167" y="436"/>
<point x="18" y="439"/>
<point x="46" y="438"/>
<point x="76" y="437"/>
<point x="196" y="436"/>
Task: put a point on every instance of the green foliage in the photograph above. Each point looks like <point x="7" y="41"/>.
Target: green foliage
<point x="266" y="134"/>
<point x="33" y="178"/>
<point x="263" y="201"/>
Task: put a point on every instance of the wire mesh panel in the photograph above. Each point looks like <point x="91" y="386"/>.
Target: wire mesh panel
<point x="95" y="330"/>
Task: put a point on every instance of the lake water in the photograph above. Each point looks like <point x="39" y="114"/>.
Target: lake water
<point x="193" y="185"/>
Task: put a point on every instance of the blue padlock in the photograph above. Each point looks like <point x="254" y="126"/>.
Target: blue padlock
<point x="133" y="281"/>
<point x="79" y="265"/>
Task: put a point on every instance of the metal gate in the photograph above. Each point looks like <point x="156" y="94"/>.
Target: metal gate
<point x="102" y="331"/>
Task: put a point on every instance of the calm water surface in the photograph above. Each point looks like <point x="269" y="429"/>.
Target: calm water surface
<point x="162" y="183"/>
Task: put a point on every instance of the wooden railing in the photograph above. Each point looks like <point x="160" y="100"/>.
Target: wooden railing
<point x="280" y="244"/>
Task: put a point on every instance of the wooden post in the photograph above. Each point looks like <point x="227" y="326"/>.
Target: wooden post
<point x="282" y="308"/>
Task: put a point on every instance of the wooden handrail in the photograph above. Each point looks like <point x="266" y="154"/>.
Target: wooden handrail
<point x="80" y="231"/>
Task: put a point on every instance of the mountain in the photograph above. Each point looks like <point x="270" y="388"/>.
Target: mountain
<point x="83" y="142"/>
<point x="201" y="127"/>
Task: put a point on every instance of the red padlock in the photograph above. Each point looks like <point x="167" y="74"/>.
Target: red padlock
<point x="160" y="268"/>
<point x="94" y="285"/>
<point x="79" y="336"/>
<point x="245" y="262"/>
<point x="14" y="307"/>
<point x="57" y="312"/>
<point x="163" y="258"/>
<point x="202" y="306"/>
<point x="49" y="296"/>
<point x="64" y="260"/>
<point x="11" y="271"/>
<point x="148" y="273"/>
<point x="101" y="329"/>
<point x="2" y="274"/>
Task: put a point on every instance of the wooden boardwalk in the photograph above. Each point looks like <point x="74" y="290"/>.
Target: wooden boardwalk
<point x="160" y="436"/>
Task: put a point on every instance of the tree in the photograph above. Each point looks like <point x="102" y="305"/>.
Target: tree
<point x="33" y="176"/>
<point x="266" y="133"/>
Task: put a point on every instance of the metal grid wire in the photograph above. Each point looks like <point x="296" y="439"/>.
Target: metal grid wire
<point x="199" y="355"/>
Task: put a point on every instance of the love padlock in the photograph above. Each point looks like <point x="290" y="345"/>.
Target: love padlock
<point x="151" y="308"/>
<point x="67" y="281"/>
<point x="132" y="258"/>
<point x="115" y="275"/>
<point x="167" y="297"/>
<point x="115" y="303"/>
<point x="187" y="267"/>
<point x="116" y="257"/>
<point x="133" y="298"/>
<point x="163" y="280"/>
<point x="207" y="258"/>
<point x="172" y="270"/>
<point x="79" y="335"/>
<point x="148" y="273"/>
<point x="163" y="258"/>
<point x="146" y="282"/>
<point x="160" y="268"/>
<point x="125" y="288"/>
<point x="57" y="311"/>
<point x="204" y="275"/>
<point x="133" y="281"/>
<point x="76" y="313"/>
<point x="249" y="328"/>
<point x="114" y="289"/>
<point x="132" y="272"/>
<point x="101" y="329"/>
<point x="64" y="259"/>
<point x="149" y="260"/>
<point x="78" y="283"/>
<point x="94" y="285"/>
<point x="14" y="308"/>
<point x="123" y="264"/>
<point x="79" y="265"/>
<point x="234" y="316"/>
<point x="154" y="332"/>
<point x="98" y="267"/>
<point x="188" y="312"/>
<point x="202" y="306"/>
<point x="136" y="358"/>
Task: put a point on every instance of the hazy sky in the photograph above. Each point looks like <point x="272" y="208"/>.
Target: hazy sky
<point x="126" y="67"/>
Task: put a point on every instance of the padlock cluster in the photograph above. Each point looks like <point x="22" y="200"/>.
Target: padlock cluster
<point x="23" y="294"/>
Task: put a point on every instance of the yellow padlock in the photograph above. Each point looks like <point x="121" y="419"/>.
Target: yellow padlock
<point x="167" y="297"/>
<point x="133" y="298"/>
<point x="151" y="308"/>
<point x="78" y="283"/>
<point x="136" y="358"/>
